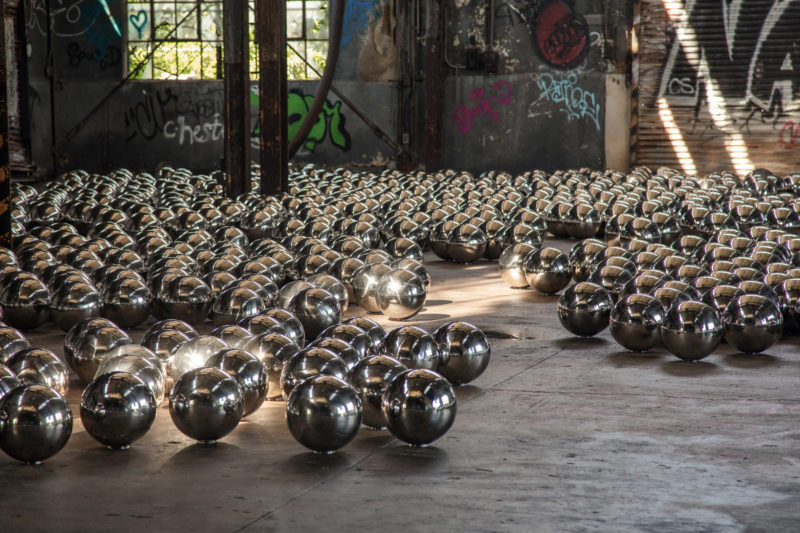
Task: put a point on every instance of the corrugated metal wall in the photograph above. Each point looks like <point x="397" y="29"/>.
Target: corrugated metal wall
<point x="719" y="85"/>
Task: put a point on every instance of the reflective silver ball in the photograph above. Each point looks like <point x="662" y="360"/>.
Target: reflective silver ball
<point x="186" y="298"/>
<point x="419" y="406"/>
<point x="193" y="354"/>
<point x="249" y="372"/>
<point x="401" y="294"/>
<point x="287" y="293"/>
<point x="11" y="342"/>
<point x="464" y="352"/>
<point x="291" y="325"/>
<point x="236" y="303"/>
<point x="466" y="243"/>
<point x="353" y="335"/>
<point x="414" y="347"/>
<point x="273" y="349"/>
<point x="333" y="286"/>
<point x="547" y="270"/>
<point x="126" y="301"/>
<point x="373" y="329"/>
<point x="235" y="336"/>
<point x="25" y="302"/>
<point x="584" y="309"/>
<point x="752" y="323"/>
<point x="90" y="346"/>
<point x="323" y="413"/>
<point x="512" y="265"/>
<point x="35" y="423"/>
<point x="117" y="409"/>
<point x="73" y="302"/>
<point x="8" y="380"/>
<point x="365" y="285"/>
<point x="206" y="404"/>
<point x="370" y="377"/>
<point x="38" y="366"/>
<point x="310" y="362"/>
<point x="636" y="320"/>
<point x="341" y="348"/>
<point x="316" y="309"/>
<point x="142" y="363"/>
<point x="691" y="330"/>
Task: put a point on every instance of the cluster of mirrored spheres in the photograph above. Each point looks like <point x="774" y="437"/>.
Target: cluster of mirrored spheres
<point x="100" y="255"/>
<point x="684" y="262"/>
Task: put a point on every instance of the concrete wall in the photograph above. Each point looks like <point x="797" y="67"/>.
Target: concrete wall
<point x="180" y="122"/>
<point x="545" y="106"/>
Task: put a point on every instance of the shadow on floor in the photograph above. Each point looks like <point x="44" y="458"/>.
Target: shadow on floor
<point x="689" y="368"/>
<point x="580" y="343"/>
<point x="626" y="359"/>
<point x="742" y="360"/>
<point x="413" y="460"/>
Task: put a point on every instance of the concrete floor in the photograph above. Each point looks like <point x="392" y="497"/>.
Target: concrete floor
<point x="559" y="434"/>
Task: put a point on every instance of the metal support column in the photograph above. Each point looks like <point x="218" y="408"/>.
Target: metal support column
<point x="237" y="96"/>
<point x="273" y="89"/>
<point x="5" y="170"/>
<point x="434" y="83"/>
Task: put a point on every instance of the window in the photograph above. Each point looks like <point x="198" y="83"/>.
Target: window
<point x="170" y="39"/>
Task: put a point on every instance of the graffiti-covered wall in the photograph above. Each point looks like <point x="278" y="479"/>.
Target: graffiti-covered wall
<point x="720" y="85"/>
<point x="145" y="123"/>
<point x="545" y="106"/>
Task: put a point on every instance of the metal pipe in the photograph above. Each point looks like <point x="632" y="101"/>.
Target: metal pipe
<point x="334" y="44"/>
<point x="490" y="26"/>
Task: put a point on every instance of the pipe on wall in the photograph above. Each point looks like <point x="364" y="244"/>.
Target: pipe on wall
<point x="334" y="44"/>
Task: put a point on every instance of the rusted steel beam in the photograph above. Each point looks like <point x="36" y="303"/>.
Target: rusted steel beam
<point x="273" y="89"/>
<point x="5" y="169"/>
<point x="237" y="96"/>
<point x="435" y="75"/>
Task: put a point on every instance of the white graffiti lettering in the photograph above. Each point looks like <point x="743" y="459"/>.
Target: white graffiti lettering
<point x="575" y="102"/>
<point x="202" y="133"/>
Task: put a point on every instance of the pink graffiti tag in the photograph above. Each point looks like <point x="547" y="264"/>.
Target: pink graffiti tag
<point x="500" y="93"/>
<point x="791" y="131"/>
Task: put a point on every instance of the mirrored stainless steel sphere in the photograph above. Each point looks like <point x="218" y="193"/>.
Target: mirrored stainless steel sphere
<point x="635" y="322"/>
<point x="289" y="291"/>
<point x="584" y="309"/>
<point x="273" y="349"/>
<point x="25" y="302"/>
<point x="373" y="329"/>
<point x="232" y="334"/>
<point x="365" y="283"/>
<point x="8" y="380"/>
<point x="74" y="302"/>
<point x="323" y="413"/>
<point x="126" y="301"/>
<point x="464" y="352"/>
<point x="419" y="406"/>
<point x="236" y="303"/>
<point x="249" y="372"/>
<point x="193" y="354"/>
<point x="547" y="270"/>
<point x="466" y="244"/>
<point x="310" y="362"/>
<point x="117" y="409"/>
<point x="39" y="366"/>
<point x="186" y="298"/>
<point x="91" y="345"/>
<point x="401" y="294"/>
<point x="206" y="404"/>
<point x="142" y="363"/>
<point x="291" y="325"/>
<point x="35" y="423"/>
<point x="752" y="323"/>
<point x="316" y="309"/>
<point x="691" y="330"/>
<point x="341" y="348"/>
<point x="414" y="347"/>
<point x="333" y="286"/>
<point x="370" y="377"/>
<point x="512" y="265"/>
<point x="11" y="342"/>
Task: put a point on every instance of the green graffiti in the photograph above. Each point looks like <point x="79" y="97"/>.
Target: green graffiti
<point x="330" y="123"/>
